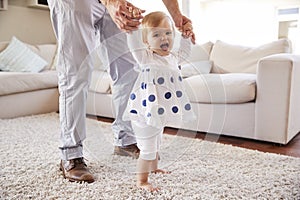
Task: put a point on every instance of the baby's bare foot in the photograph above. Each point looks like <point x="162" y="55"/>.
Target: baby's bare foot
<point x="161" y="171"/>
<point x="147" y="186"/>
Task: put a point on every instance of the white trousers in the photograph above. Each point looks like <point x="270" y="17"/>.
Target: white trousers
<point x="80" y="27"/>
<point x="148" y="139"/>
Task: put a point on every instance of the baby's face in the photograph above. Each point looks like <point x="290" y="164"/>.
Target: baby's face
<point x="160" y="39"/>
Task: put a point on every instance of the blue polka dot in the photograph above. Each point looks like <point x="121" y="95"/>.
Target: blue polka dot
<point x="133" y="111"/>
<point x="180" y="78"/>
<point x="168" y="95"/>
<point x="143" y="85"/>
<point x="147" y="70"/>
<point x="151" y="98"/>
<point x="178" y="94"/>
<point x="161" y="111"/>
<point x="172" y="80"/>
<point x="175" y="109"/>
<point x="132" y="96"/>
<point x="179" y="67"/>
<point x="153" y="81"/>
<point x="160" y="80"/>
<point x="149" y="115"/>
<point x="144" y="102"/>
<point x="187" y="106"/>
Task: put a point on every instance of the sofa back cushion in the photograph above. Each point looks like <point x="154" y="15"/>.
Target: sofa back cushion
<point x="45" y="51"/>
<point x="228" y="58"/>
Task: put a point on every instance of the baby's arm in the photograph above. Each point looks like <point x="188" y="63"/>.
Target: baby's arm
<point x="136" y="46"/>
<point x="185" y="49"/>
<point x="188" y="37"/>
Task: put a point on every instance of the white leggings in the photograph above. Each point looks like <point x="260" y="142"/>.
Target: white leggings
<point x="148" y="139"/>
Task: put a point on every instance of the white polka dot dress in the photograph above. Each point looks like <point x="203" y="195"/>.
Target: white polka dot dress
<point x="159" y="96"/>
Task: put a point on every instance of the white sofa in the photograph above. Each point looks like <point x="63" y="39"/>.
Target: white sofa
<point x="250" y="92"/>
<point x="29" y="93"/>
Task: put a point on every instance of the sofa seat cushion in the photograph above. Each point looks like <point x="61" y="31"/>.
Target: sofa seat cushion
<point x="17" y="82"/>
<point x="101" y="82"/>
<point x="221" y="88"/>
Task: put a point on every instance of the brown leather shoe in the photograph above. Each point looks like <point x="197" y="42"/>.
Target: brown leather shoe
<point x="76" y="170"/>
<point x="130" y="150"/>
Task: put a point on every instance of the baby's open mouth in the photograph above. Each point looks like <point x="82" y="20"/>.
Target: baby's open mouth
<point x="164" y="47"/>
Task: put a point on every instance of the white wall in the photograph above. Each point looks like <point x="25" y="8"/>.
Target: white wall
<point x="245" y="22"/>
<point x="34" y="26"/>
<point x="152" y="5"/>
<point x="30" y="25"/>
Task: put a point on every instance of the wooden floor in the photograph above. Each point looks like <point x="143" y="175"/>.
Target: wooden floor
<point x="291" y="149"/>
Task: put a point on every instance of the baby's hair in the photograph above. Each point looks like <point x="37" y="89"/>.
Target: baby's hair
<point x="153" y="20"/>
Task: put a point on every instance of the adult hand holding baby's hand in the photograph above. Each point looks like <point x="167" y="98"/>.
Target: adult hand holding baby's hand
<point x="125" y="15"/>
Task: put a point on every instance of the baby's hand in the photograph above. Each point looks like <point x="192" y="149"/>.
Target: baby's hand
<point x="187" y="31"/>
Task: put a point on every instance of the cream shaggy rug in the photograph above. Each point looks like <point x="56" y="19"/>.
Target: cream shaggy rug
<point x="200" y="169"/>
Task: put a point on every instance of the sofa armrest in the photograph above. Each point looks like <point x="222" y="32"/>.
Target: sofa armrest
<point x="277" y="111"/>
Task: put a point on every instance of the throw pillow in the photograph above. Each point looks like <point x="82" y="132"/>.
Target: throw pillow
<point x="229" y="58"/>
<point x="54" y="60"/>
<point x="47" y="52"/>
<point x="3" y="45"/>
<point x="196" y="68"/>
<point x="18" y="57"/>
<point x="199" y="52"/>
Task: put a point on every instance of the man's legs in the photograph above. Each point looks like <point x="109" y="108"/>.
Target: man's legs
<point x="73" y="24"/>
<point x="121" y="64"/>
